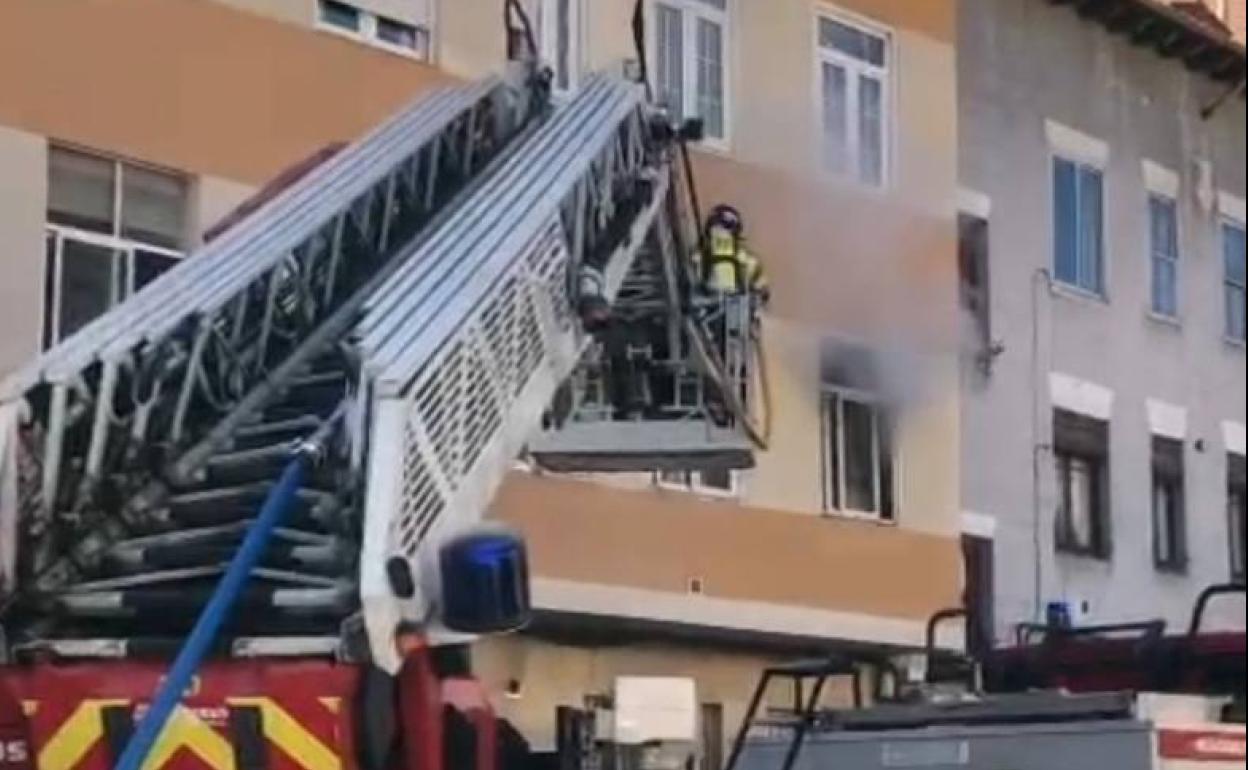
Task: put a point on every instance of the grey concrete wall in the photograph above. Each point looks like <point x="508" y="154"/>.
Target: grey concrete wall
<point x="23" y="203"/>
<point x="1022" y="62"/>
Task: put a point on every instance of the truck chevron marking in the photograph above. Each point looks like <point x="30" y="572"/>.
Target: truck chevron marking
<point x="77" y="736"/>
<point x="285" y="732"/>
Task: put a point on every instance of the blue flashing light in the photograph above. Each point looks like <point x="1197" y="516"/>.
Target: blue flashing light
<point x="485" y="583"/>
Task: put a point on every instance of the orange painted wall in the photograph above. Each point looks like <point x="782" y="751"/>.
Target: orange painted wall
<point x="190" y="84"/>
<point x="845" y="262"/>
<point x="658" y="541"/>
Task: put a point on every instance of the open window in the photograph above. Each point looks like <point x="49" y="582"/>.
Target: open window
<point x="975" y="282"/>
<point x="859" y="463"/>
<point x="1081" y="465"/>
<point x="112" y="227"/>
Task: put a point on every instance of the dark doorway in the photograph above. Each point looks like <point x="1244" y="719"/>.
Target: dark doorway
<point x="712" y="736"/>
<point x="979" y="556"/>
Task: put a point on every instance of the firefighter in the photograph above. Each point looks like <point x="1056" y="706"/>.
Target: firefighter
<point x="729" y="272"/>
<point x="728" y="267"/>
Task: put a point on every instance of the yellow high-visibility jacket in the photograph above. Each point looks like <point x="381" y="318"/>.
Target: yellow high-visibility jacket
<point x="731" y="268"/>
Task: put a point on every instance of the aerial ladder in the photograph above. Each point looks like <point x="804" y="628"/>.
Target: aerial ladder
<point x="271" y="465"/>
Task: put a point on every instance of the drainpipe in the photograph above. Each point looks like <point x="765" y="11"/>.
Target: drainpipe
<point x="1041" y="281"/>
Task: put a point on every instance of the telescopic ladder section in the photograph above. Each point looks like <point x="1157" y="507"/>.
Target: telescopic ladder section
<point x="150" y="438"/>
<point x="467" y="347"/>
<point x="675" y="382"/>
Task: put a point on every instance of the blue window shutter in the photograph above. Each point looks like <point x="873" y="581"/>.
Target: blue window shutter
<point x="1235" y="280"/>
<point x="1065" y="222"/>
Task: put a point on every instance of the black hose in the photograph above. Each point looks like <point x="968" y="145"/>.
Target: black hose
<point x="691" y="184"/>
<point x="515" y="8"/>
<point x="639" y="42"/>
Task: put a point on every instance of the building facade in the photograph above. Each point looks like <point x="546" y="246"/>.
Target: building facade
<point x="124" y="137"/>
<point x="1103" y="274"/>
<point x="1229" y="14"/>
<point x="129" y="127"/>
<point x="831" y="127"/>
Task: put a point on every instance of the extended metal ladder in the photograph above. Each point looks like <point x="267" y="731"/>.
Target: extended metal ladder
<point x="414" y="299"/>
<point x="149" y="439"/>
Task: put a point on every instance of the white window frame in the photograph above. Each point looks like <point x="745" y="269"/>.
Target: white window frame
<point x="549" y="40"/>
<point x="697" y="9"/>
<point x="1229" y="220"/>
<point x="368" y="35"/>
<point x="691" y="484"/>
<point x="841" y="394"/>
<point x="1155" y="255"/>
<point x="855" y="69"/>
<point x="1084" y="151"/>
<point x="123" y="247"/>
<point x="126" y="247"/>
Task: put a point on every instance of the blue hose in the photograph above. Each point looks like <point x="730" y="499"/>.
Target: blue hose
<point x="214" y="615"/>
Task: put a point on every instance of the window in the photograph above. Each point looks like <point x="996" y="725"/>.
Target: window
<point x="560" y="30"/>
<point x="341" y="15"/>
<point x="691" y="61"/>
<point x="853" y="77"/>
<point x="381" y="31"/>
<point x="1079" y="225"/>
<point x="1233" y="254"/>
<point x="1236" y="495"/>
<point x="1169" y="506"/>
<point x="112" y="227"/>
<point x="716" y="483"/>
<point x="1163" y="215"/>
<point x="974" y="276"/>
<point x="398" y="33"/>
<point x="1081" y="458"/>
<point x="857" y="456"/>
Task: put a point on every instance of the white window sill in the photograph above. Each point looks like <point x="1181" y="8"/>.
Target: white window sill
<point x="1171" y="322"/>
<point x="704" y="493"/>
<point x="860" y="517"/>
<point x="713" y="146"/>
<point x="1077" y="293"/>
<point x="853" y="186"/>
<point x="1076" y="556"/>
<point x="1235" y="344"/>
<point x="1173" y="571"/>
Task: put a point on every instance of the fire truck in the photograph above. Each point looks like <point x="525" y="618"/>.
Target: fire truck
<point x="1132" y="696"/>
<point x="241" y="513"/>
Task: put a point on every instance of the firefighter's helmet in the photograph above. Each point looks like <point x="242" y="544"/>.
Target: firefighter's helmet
<point x="728" y="218"/>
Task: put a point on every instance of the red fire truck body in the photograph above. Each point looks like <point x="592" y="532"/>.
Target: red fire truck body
<point x="278" y="715"/>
